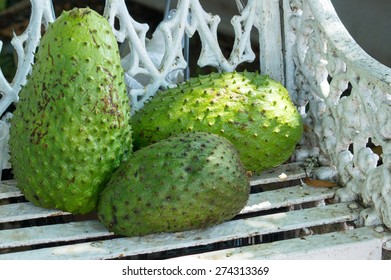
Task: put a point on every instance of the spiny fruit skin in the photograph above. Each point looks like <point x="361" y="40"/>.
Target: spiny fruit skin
<point x="71" y="127"/>
<point x="188" y="181"/>
<point x="254" y="112"/>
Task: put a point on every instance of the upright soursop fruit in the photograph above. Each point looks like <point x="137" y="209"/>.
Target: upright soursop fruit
<point x="189" y="181"/>
<point x="71" y="127"/>
<point x="254" y="112"/>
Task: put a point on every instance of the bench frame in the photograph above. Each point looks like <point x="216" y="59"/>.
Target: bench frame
<point x="341" y="92"/>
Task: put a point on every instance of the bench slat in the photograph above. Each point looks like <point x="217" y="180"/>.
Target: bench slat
<point x="293" y="171"/>
<point x="359" y="243"/>
<point x="285" y="197"/>
<point x="92" y="229"/>
<point x="8" y="189"/>
<point x="290" y="171"/>
<point x="241" y="228"/>
<point x="257" y="202"/>
<point x="72" y="231"/>
<point x="26" y="211"/>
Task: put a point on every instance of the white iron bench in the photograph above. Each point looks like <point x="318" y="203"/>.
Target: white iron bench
<point x="343" y="95"/>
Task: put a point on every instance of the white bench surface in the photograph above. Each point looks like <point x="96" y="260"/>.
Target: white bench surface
<point x="267" y="212"/>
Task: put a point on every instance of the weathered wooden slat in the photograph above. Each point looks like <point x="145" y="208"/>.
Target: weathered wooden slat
<point x="8" y="189"/>
<point x="355" y="244"/>
<point x="257" y="202"/>
<point x="29" y="236"/>
<point x="282" y="173"/>
<point x="286" y="197"/>
<point x="91" y="229"/>
<point x="26" y="211"/>
<point x="241" y="228"/>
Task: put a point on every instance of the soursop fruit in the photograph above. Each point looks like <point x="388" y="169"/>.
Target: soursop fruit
<point x="254" y="112"/>
<point x="188" y="181"/>
<point x="71" y="127"/>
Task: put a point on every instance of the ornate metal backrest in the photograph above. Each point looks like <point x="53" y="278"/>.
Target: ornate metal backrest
<point x="342" y="93"/>
<point x="348" y="100"/>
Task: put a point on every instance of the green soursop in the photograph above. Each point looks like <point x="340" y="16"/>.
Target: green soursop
<point x="254" y="112"/>
<point x="188" y="181"/>
<point x="71" y="127"/>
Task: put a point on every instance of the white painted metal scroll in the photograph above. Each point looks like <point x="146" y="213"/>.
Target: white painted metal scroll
<point x="151" y="63"/>
<point x="25" y="46"/>
<point x="348" y="100"/>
